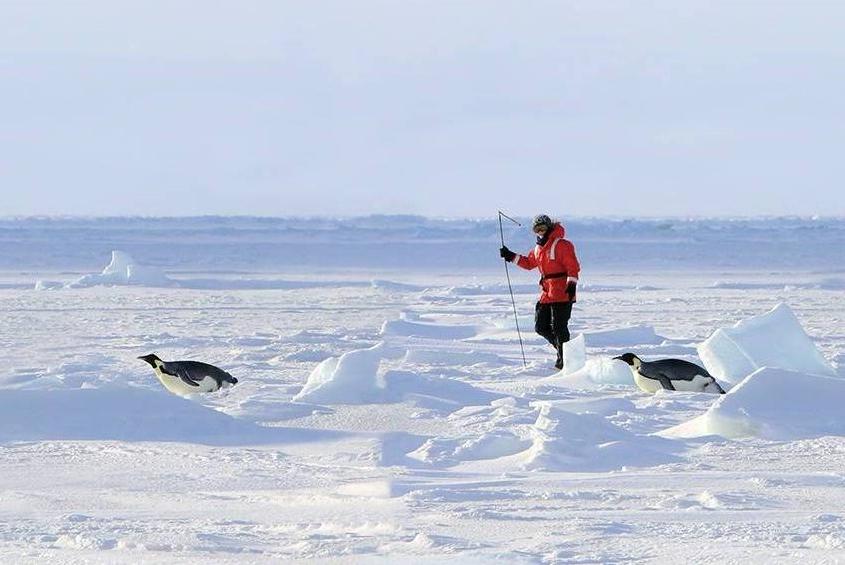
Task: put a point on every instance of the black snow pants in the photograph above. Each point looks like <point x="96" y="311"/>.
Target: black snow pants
<point x="552" y="322"/>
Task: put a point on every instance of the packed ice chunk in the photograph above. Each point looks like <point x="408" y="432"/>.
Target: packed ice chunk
<point x="351" y="378"/>
<point x="773" y="404"/>
<point x="596" y="373"/>
<point x="574" y="354"/>
<point x="773" y="339"/>
<point x="123" y="270"/>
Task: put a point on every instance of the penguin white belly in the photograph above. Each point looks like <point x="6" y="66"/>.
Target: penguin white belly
<point x="646" y="384"/>
<point x="181" y="388"/>
<point x="697" y="384"/>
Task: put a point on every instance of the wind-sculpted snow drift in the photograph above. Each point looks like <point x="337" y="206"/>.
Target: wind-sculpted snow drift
<point x="566" y="441"/>
<point x="545" y="436"/>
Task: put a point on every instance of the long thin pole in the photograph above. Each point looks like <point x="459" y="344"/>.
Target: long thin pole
<point x="510" y="288"/>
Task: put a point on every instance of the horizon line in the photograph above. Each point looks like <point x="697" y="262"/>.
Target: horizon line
<point x="493" y="217"/>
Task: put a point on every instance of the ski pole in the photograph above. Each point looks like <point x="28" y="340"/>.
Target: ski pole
<point x="510" y="288"/>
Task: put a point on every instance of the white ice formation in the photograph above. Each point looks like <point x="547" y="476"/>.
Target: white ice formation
<point x="773" y="339"/>
<point x="773" y="404"/>
<point x="123" y="270"/>
<point x="355" y="378"/>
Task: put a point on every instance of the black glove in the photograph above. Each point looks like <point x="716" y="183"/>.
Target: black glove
<point x="570" y="290"/>
<point x="506" y="254"/>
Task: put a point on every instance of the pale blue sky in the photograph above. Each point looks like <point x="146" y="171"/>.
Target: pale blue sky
<point x="435" y="108"/>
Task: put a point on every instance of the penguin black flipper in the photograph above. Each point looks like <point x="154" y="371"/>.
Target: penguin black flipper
<point x="186" y="379"/>
<point x="665" y="381"/>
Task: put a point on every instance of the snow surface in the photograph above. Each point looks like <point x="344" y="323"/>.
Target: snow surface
<point x="385" y="415"/>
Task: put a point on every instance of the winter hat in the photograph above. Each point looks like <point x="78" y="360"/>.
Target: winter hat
<point x="542" y="220"/>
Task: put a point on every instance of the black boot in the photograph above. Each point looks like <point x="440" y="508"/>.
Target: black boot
<point x="559" y="361"/>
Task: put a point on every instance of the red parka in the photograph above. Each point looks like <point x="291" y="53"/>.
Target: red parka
<point x="557" y="263"/>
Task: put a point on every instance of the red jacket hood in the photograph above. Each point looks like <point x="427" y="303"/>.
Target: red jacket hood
<point x="557" y="231"/>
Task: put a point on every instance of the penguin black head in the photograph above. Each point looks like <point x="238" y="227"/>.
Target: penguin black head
<point x="630" y="359"/>
<point x="151" y="359"/>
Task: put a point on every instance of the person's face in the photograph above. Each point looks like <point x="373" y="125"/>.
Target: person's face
<point x="541" y="230"/>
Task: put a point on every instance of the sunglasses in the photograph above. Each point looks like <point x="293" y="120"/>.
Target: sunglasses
<point x="541" y="229"/>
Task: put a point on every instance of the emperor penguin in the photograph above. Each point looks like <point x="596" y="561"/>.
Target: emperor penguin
<point x="670" y="374"/>
<point x="187" y="377"/>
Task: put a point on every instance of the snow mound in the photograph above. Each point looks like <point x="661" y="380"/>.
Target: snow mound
<point x="596" y="373"/>
<point x="123" y="270"/>
<point x="773" y="404"/>
<point x="404" y="385"/>
<point x="124" y="414"/>
<point x="353" y="378"/>
<point x="773" y="339"/>
<point x="566" y="441"/>
<point x="408" y="328"/>
<point x="489" y="445"/>
<point x="619" y="337"/>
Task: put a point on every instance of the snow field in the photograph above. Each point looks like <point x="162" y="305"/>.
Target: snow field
<point x="394" y="422"/>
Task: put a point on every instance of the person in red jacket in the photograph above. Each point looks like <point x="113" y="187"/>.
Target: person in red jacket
<point x="555" y="257"/>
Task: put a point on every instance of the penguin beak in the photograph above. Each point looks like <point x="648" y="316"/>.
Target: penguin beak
<point x="619" y="357"/>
